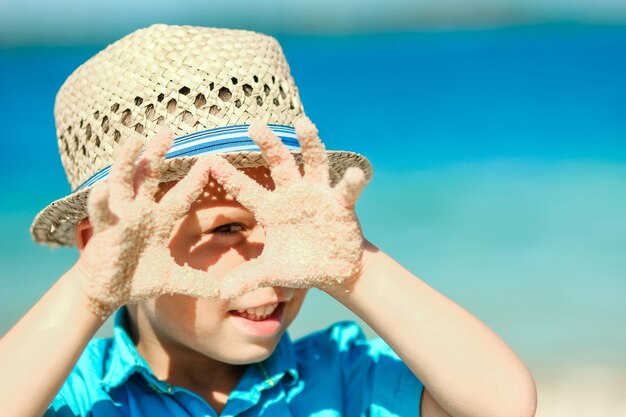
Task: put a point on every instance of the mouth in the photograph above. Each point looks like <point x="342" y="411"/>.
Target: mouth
<point x="257" y="313"/>
<point x="262" y="321"/>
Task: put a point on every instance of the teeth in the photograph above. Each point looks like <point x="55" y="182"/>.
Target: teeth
<point x="259" y="313"/>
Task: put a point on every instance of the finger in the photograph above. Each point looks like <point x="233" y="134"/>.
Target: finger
<point x="281" y="162"/>
<point x="100" y="216"/>
<point x="313" y="151"/>
<point x="121" y="190"/>
<point x="158" y="274"/>
<point x="350" y="186"/>
<point x="246" y="277"/>
<point x="243" y="188"/>
<point x="177" y="201"/>
<point x="149" y="165"/>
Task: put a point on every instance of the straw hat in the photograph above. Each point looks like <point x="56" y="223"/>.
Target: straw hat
<point x="207" y="84"/>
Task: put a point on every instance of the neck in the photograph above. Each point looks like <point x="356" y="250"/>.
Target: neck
<point x="184" y="367"/>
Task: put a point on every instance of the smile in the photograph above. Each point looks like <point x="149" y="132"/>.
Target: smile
<point x="258" y="313"/>
<point x="261" y="321"/>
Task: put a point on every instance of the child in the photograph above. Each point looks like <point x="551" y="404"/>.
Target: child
<point x="206" y="247"/>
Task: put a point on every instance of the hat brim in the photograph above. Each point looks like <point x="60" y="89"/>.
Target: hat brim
<point x="55" y="224"/>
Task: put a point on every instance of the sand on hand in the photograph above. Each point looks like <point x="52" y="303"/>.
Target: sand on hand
<point x="312" y="235"/>
<point x="313" y="238"/>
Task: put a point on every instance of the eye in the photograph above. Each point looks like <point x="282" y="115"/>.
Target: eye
<point x="229" y="229"/>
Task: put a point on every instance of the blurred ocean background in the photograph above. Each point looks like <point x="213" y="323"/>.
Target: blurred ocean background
<point x="497" y="133"/>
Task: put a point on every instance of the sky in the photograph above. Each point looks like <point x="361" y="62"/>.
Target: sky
<point x="41" y="22"/>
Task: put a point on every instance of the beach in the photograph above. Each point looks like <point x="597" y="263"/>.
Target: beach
<point x="583" y="390"/>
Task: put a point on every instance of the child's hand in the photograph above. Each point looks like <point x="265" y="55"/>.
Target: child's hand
<point x="312" y="235"/>
<point x="127" y="259"/>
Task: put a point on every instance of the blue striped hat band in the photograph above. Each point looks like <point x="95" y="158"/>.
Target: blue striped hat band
<point x="221" y="139"/>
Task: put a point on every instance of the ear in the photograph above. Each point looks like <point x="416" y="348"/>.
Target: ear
<point x="83" y="233"/>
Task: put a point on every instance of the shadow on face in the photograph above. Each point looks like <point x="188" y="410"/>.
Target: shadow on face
<point x="192" y="244"/>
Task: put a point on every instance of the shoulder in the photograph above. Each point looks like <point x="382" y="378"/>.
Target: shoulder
<point x="342" y="350"/>
<point x="82" y="387"/>
<point x="91" y="365"/>
<point x="92" y="362"/>
<point x="368" y="372"/>
<point x="343" y="337"/>
<point x="341" y="332"/>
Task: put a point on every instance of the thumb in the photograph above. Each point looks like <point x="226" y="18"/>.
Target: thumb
<point x="350" y="186"/>
<point x="246" y="277"/>
<point x="194" y="283"/>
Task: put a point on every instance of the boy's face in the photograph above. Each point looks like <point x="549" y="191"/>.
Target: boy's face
<point x="219" y="233"/>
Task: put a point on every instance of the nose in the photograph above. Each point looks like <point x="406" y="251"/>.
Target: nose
<point x="274" y="293"/>
<point x="284" y="293"/>
<point x="255" y="242"/>
<point x="257" y="233"/>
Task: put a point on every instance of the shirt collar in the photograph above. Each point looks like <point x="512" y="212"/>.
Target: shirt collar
<point x="282" y="362"/>
<point x="124" y="360"/>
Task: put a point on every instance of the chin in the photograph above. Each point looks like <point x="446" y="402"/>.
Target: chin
<point x="248" y="354"/>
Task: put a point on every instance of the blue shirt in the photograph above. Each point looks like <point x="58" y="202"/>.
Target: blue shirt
<point x="334" y="372"/>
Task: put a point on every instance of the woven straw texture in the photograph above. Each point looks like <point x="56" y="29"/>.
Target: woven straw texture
<point x="188" y="78"/>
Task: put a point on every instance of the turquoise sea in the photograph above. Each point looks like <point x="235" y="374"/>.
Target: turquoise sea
<point x="500" y="172"/>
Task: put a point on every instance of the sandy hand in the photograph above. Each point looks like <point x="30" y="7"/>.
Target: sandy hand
<point x="312" y="235"/>
<point x="127" y="258"/>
